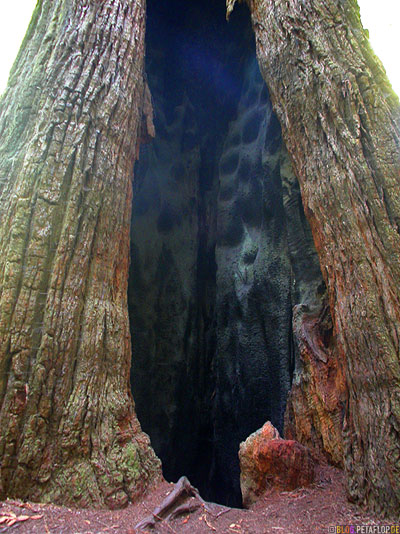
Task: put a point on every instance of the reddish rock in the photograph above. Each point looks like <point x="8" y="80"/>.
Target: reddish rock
<point x="267" y="461"/>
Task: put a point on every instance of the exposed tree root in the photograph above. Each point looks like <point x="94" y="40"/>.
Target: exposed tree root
<point x="183" y="499"/>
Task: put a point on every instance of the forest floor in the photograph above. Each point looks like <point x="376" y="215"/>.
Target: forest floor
<point x="320" y="508"/>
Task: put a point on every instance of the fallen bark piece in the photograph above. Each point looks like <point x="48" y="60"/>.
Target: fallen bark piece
<point x="183" y="499"/>
<point x="268" y="461"/>
<point x="10" y="519"/>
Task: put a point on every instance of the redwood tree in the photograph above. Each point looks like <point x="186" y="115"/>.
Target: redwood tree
<point x="69" y="123"/>
<point x="340" y="122"/>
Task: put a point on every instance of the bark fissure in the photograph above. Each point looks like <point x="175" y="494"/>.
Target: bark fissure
<point x="62" y="439"/>
<point x="71" y="121"/>
<point x="342" y="178"/>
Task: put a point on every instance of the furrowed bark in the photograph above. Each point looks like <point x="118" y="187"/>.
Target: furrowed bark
<point x="314" y="410"/>
<point x="315" y="404"/>
<point x="340" y="121"/>
<point x="69" y="124"/>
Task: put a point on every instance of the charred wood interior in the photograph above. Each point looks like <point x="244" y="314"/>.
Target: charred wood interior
<point x="220" y="250"/>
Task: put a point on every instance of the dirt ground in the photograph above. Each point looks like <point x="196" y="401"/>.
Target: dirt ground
<point x="316" y="509"/>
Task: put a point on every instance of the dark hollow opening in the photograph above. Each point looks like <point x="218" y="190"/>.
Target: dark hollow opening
<point x="213" y="258"/>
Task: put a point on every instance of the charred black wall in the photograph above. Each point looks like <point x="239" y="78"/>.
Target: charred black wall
<point x="211" y="283"/>
<point x="253" y="284"/>
<point x="195" y="74"/>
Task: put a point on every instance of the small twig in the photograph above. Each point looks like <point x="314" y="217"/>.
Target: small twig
<point x="223" y="512"/>
<point x="103" y="524"/>
<point x="297" y="497"/>
<point x="207" y="523"/>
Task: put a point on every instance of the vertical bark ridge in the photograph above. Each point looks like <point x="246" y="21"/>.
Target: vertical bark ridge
<point x="68" y="428"/>
<point x="340" y="121"/>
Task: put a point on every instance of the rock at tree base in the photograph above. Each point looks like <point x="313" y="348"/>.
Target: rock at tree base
<point x="267" y="461"/>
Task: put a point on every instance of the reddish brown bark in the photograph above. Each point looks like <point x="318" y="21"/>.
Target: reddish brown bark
<point x="340" y="121"/>
<point x="315" y="406"/>
<point x="68" y="127"/>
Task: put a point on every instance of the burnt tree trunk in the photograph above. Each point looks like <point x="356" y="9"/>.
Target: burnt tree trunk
<point x="340" y="121"/>
<point x="69" y="123"/>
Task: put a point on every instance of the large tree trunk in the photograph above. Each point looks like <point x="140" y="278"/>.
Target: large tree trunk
<point x="68" y="125"/>
<point x="340" y="121"/>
